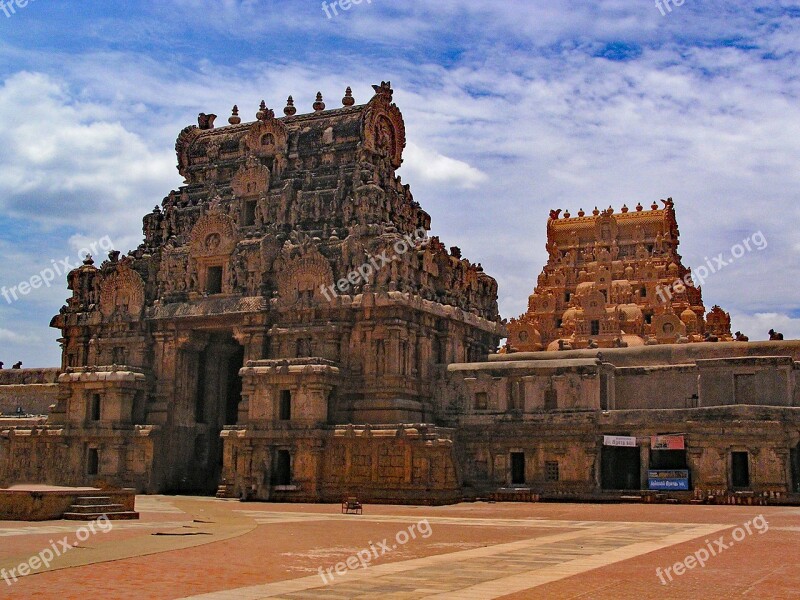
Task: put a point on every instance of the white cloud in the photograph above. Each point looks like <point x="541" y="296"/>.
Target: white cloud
<point x="11" y="337"/>
<point x="757" y="326"/>
<point x="70" y="163"/>
<point x="430" y="166"/>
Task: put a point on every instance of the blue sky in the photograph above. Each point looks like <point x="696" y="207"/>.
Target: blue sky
<point x="511" y="108"/>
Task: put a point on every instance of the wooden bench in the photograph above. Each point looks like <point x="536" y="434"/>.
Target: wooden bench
<point x="352" y="505"/>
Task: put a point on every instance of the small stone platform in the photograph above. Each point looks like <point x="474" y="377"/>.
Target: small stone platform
<point x="48" y="503"/>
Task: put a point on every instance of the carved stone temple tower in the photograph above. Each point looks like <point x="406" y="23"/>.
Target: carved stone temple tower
<point x="615" y="280"/>
<point x="283" y="329"/>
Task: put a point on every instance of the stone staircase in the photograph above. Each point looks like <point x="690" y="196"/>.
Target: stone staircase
<point x="225" y="490"/>
<point x="91" y="508"/>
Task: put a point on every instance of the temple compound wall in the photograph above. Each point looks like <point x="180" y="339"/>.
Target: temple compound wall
<point x="585" y="422"/>
<point x="27" y="391"/>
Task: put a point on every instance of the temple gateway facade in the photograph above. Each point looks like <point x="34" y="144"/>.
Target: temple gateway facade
<point x="288" y="331"/>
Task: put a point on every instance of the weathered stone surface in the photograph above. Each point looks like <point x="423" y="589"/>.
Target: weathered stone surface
<point x="288" y="287"/>
<point x="27" y="391"/>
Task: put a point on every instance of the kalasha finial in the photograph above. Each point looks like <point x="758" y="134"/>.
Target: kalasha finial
<point x="596" y="211"/>
<point x="654" y="206"/>
<point x="348" y="99"/>
<point x="290" y="109"/>
<point x="625" y="208"/>
<point x="581" y="212"/>
<point x="88" y="261"/>
<point x="567" y="214"/>
<point x="262" y="109"/>
<point x="235" y="119"/>
<point x="639" y="207"/>
<point x="319" y="105"/>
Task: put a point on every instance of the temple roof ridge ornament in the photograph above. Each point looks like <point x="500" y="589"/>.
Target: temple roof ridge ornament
<point x="319" y="105"/>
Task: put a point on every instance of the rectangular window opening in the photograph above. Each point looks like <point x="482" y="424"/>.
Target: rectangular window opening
<point x="214" y="280"/>
<point x="285" y="408"/>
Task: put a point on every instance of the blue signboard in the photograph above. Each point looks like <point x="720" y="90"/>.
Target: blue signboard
<point x="672" y="480"/>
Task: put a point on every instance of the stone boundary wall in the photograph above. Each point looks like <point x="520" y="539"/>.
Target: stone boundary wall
<point x="32" y="390"/>
<point x="664" y="354"/>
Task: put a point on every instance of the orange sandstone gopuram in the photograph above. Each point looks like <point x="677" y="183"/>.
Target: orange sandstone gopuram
<point x="614" y="280"/>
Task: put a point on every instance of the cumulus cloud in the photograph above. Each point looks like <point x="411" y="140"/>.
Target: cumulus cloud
<point x="12" y="337"/>
<point x="71" y="163"/>
<point x="428" y="165"/>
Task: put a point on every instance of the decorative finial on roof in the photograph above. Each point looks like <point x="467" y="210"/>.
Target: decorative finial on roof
<point x="88" y="261"/>
<point x="261" y="110"/>
<point x="595" y="212"/>
<point x="319" y="105"/>
<point x="625" y="208"/>
<point x="384" y="89"/>
<point x="348" y="99"/>
<point x="567" y="214"/>
<point x="205" y="121"/>
<point x="235" y="119"/>
<point x="581" y="212"/>
<point x="290" y="109"/>
<point x="639" y="207"/>
<point x="654" y="206"/>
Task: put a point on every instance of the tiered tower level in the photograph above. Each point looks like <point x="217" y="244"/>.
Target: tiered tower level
<point x="290" y="283"/>
<point x="615" y="279"/>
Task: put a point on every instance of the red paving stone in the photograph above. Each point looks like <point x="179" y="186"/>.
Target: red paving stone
<point x="761" y="566"/>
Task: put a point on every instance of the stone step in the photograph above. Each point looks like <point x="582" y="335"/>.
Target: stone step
<point x="92" y="500"/>
<point x="125" y="515"/>
<point x="96" y="508"/>
<point x="225" y="490"/>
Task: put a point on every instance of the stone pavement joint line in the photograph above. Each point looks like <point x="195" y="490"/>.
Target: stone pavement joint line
<point x="472" y="574"/>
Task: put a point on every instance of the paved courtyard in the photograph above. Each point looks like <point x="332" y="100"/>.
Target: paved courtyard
<point x="203" y="548"/>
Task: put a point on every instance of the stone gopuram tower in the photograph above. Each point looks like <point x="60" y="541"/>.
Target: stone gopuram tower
<point x="615" y="280"/>
<point x="281" y="332"/>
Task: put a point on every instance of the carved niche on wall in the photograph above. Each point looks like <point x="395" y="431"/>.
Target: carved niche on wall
<point x="383" y="128"/>
<point x="267" y="137"/>
<point x="251" y="179"/>
<point x="301" y="273"/>
<point x="212" y="241"/>
<point x="122" y="292"/>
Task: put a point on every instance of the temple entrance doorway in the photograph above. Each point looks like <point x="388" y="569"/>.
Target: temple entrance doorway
<point x="621" y="468"/>
<point x="218" y="392"/>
